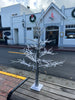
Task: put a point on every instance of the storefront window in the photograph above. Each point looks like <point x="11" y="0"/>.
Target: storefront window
<point x="70" y="26"/>
<point x="29" y="28"/>
<point x="70" y="34"/>
<point x="35" y="32"/>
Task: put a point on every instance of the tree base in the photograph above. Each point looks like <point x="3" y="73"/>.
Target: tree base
<point x="36" y="88"/>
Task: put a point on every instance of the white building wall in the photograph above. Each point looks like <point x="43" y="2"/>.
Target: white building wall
<point x="7" y="13"/>
<point x="69" y="21"/>
<point x="14" y="10"/>
<point x="11" y="17"/>
<point x="17" y="24"/>
<point x="57" y="17"/>
<point x="29" y="33"/>
<point x="25" y="10"/>
<point x="69" y="42"/>
<point x="57" y="21"/>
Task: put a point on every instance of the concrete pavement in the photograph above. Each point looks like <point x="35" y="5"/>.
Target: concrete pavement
<point x="67" y="70"/>
<point x="8" y="82"/>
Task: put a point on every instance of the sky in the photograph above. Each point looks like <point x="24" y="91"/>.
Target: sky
<point x="38" y="5"/>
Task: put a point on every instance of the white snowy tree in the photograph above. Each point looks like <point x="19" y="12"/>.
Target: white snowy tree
<point x="35" y="55"/>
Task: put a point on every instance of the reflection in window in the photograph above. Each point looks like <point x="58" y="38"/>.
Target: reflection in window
<point x="70" y="34"/>
<point x="35" y="32"/>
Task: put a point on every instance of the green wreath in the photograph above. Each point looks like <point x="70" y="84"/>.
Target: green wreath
<point x="32" y="18"/>
<point x="73" y="13"/>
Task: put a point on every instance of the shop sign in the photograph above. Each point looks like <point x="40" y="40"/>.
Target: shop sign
<point x="52" y="16"/>
<point x="73" y="13"/>
<point x="61" y="34"/>
<point x="7" y="33"/>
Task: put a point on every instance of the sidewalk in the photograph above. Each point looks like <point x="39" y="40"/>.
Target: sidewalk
<point x="69" y="49"/>
<point x="54" y="88"/>
<point x="13" y="46"/>
<point x="51" y="90"/>
<point x="7" y="83"/>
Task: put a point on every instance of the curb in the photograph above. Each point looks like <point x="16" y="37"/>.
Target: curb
<point x="12" y="75"/>
<point x="12" y="46"/>
<point x="22" y="47"/>
<point x="65" y="50"/>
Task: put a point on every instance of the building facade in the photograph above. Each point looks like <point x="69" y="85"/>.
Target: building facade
<point x="55" y="24"/>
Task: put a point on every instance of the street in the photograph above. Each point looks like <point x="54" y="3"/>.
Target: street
<point x="67" y="70"/>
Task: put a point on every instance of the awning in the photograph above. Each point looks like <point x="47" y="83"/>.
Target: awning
<point x="4" y="28"/>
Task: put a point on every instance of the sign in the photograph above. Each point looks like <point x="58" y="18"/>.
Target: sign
<point x="61" y="34"/>
<point x="7" y="33"/>
<point x="52" y="16"/>
<point x="73" y="13"/>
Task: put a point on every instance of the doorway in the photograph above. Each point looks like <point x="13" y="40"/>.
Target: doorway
<point x="1" y="35"/>
<point x="52" y="34"/>
<point x="16" y="38"/>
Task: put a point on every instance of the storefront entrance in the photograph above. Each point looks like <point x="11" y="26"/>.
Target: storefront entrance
<point x="52" y="34"/>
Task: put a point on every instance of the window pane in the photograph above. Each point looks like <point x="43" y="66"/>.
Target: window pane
<point x="70" y="34"/>
<point x="35" y="32"/>
<point x="28" y="28"/>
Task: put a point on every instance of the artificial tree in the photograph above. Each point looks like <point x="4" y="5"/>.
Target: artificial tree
<point x="35" y="56"/>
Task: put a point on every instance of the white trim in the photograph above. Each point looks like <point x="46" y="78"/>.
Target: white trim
<point x="58" y="10"/>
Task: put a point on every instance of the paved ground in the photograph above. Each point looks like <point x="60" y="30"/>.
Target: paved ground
<point x="53" y="88"/>
<point x="44" y="77"/>
<point x="67" y="70"/>
<point x="49" y="91"/>
<point x="7" y="83"/>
